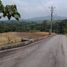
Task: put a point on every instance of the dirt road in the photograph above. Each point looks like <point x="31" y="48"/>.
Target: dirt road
<point x="45" y="53"/>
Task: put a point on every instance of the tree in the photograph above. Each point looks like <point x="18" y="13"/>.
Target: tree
<point x="9" y="11"/>
<point x="44" y="26"/>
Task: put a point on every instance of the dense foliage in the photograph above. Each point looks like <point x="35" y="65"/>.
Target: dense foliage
<point x="9" y="11"/>
<point x="24" y="26"/>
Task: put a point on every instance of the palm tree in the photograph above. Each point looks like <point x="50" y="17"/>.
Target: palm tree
<point x="9" y="11"/>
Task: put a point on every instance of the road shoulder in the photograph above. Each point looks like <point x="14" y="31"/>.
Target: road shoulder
<point x="64" y="39"/>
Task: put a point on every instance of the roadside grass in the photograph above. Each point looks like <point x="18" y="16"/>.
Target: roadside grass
<point x="66" y="34"/>
<point x="11" y="39"/>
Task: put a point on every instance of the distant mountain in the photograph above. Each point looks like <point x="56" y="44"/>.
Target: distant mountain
<point x="36" y="19"/>
<point x="46" y="18"/>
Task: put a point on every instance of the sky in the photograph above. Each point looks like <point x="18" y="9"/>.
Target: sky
<point x="39" y="8"/>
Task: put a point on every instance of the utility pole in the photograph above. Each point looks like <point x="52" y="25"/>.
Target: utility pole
<point x="52" y="11"/>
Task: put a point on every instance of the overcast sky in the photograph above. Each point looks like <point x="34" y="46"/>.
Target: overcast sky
<point x="37" y="8"/>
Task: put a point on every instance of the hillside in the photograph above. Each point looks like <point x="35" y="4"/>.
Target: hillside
<point x="46" y="18"/>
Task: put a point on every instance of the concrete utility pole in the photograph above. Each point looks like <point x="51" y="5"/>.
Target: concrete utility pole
<point x="52" y="11"/>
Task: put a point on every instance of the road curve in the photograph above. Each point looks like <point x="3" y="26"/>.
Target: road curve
<point x="45" y="53"/>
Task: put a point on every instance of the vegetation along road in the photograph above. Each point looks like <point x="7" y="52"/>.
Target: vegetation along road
<point x="48" y="52"/>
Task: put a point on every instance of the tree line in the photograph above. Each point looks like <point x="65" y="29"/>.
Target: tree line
<point x="24" y="26"/>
